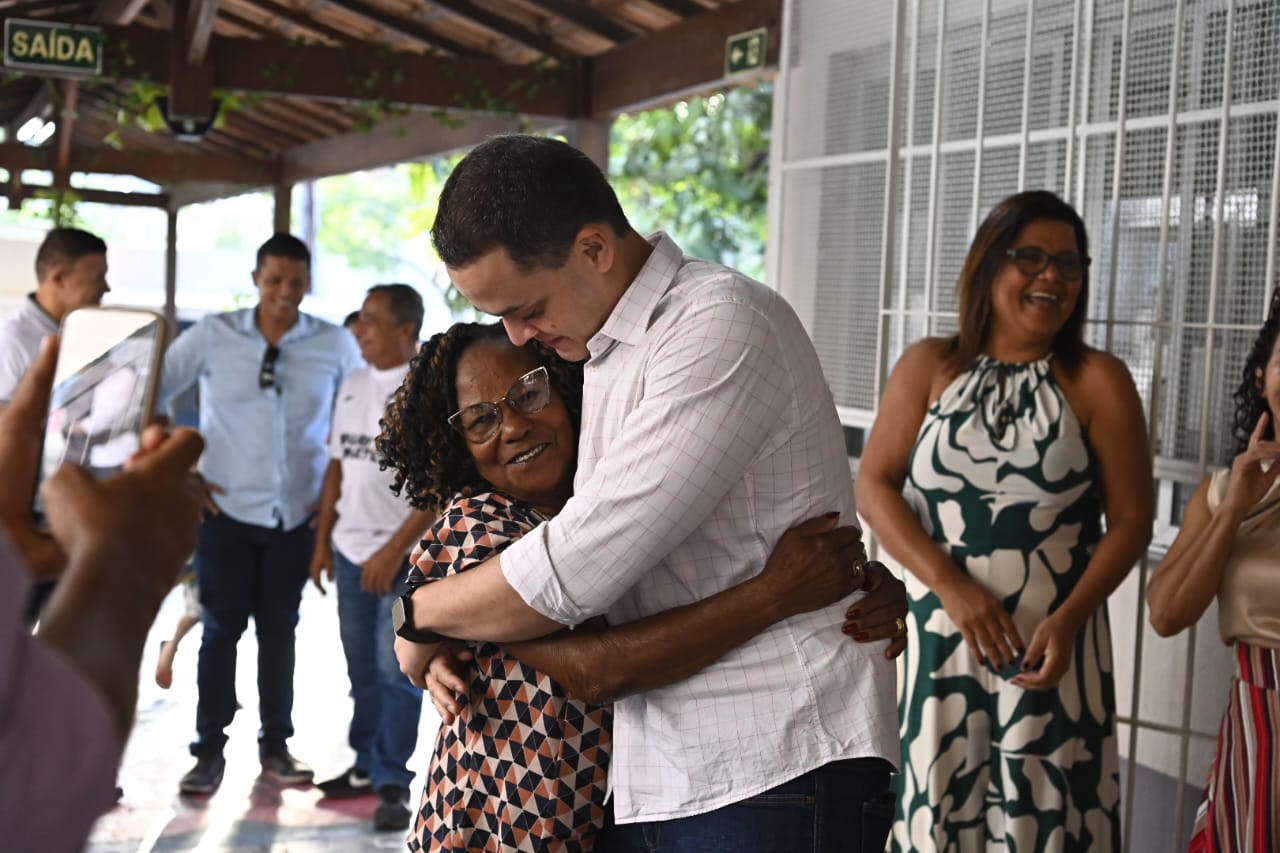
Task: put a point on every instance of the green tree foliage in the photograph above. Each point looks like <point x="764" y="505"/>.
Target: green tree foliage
<point x="381" y="220"/>
<point x="700" y="171"/>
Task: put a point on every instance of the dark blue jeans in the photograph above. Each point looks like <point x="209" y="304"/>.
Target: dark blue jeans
<point x="245" y="570"/>
<point x="842" y="807"/>
<point x="386" y="707"/>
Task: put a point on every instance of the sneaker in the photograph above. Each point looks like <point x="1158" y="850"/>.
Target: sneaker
<point x="392" y="812"/>
<point x="205" y="777"/>
<point x="282" y="767"/>
<point x="352" y="783"/>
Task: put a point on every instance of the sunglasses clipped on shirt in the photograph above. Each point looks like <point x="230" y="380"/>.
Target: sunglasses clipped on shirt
<point x="527" y="395"/>
<point x="267" y="372"/>
<point x="1032" y="260"/>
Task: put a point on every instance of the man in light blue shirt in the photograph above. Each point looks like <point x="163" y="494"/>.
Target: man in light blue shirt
<point x="267" y="378"/>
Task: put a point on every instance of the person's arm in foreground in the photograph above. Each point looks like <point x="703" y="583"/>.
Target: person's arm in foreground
<point x="811" y="567"/>
<point x="1118" y="430"/>
<point x="67" y="697"/>
<point x="1188" y="578"/>
<point x="988" y="630"/>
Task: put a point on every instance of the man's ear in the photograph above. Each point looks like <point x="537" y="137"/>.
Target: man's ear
<point x="596" y="244"/>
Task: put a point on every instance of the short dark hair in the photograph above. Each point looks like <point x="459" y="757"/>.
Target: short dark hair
<point x="351" y="319"/>
<point x="405" y="302"/>
<point x="529" y="195"/>
<point x="986" y="254"/>
<point x="282" y="245"/>
<point x="66" y="246"/>
<point x="432" y="460"/>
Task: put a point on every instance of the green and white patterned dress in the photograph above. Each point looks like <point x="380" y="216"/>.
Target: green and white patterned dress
<point x="1003" y="478"/>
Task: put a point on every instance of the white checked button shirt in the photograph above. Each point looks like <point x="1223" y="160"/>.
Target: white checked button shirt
<point x="708" y="430"/>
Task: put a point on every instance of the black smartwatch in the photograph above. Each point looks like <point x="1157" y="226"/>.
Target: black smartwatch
<point x="402" y="622"/>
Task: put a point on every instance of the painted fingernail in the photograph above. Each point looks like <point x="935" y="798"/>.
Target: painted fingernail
<point x="853" y="613"/>
<point x="861" y="635"/>
<point x="849" y="629"/>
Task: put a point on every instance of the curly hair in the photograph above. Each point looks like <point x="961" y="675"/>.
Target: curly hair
<point x="431" y="460"/>
<point x="1250" y="399"/>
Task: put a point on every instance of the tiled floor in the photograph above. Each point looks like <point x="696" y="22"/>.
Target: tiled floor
<point x="247" y="813"/>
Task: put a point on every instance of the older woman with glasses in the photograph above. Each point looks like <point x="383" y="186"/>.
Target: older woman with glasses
<point x="1016" y="439"/>
<point x="520" y="762"/>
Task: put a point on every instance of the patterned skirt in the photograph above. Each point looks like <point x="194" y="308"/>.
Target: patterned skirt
<point x="1241" y="806"/>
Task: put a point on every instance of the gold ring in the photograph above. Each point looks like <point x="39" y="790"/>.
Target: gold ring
<point x="901" y="627"/>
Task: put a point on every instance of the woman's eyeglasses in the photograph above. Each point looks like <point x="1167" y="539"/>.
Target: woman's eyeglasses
<point x="1032" y="260"/>
<point x="267" y="372"/>
<point x="529" y="394"/>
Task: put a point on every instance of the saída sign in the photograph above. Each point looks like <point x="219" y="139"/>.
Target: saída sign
<point x="52" y="48"/>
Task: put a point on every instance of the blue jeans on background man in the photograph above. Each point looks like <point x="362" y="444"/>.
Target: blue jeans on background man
<point x="386" y="707"/>
<point x="246" y="570"/>
<point x="842" y="807"/>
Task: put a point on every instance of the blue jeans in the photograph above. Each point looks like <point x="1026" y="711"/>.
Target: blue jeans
<point x="842" y="807"/>
<point x="245" y="570"/>
<point x="384" y="719"/>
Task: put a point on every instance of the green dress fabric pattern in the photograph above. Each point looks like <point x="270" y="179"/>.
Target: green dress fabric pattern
<point x="1003" y="478"/>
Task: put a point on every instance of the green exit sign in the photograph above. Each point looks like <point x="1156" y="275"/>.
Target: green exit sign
<point x="745" y="51"/>
<point x="52" y="48"/>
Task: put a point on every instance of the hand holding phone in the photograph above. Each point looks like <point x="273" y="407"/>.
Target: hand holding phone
<point x="104" y="389"/>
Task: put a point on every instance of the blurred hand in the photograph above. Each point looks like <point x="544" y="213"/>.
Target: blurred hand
<point x="378" y="573"/>
<point x="21" y="425"/>
<point x="321" y="564"/>
<point x="142" y="522"/>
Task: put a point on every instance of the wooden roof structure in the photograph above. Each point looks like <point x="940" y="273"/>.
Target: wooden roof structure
<point x="323" y="87"/>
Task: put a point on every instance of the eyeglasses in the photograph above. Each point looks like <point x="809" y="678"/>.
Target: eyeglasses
<point x="1032" y="260"/>
<point x="527" y="395"/>
<point x="267" y="372"/>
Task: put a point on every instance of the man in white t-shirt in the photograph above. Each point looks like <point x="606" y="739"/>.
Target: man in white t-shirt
<point x="363" y="536"/>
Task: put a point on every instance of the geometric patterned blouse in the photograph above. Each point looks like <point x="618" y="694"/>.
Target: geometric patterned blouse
<point x="523" y="767"/>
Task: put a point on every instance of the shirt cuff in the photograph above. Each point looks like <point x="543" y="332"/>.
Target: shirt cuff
<point x="529" y="570"/>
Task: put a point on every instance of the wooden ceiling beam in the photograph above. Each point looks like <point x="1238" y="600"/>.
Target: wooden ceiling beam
<point x="120" y="12"/>
<point x="160" y="200"/>
<point x="402" y="26"/>
<point x="416" y="137"/>
<point x="259" y="120"/>
<point x="200" y="30"/>
<point x="285" y="112"/>
<point x="251" y="27"/>
<point x="502" y="26"/>
<point x="683" y="8"/>
<point x="157" y="167"/>
<point x="357" y="73"/>
<point x="684" y="58"/>
<point x="583" y="15"/>
<point x="301" y="19"/>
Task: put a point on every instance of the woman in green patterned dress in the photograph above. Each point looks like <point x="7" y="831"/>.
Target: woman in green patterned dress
<point x="1016" y="439"/>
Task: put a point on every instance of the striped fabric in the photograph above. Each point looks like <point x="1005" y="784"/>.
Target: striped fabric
<point x="1241" y="807"/>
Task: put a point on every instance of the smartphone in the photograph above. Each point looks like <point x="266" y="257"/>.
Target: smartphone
<point x="104" y="389"/>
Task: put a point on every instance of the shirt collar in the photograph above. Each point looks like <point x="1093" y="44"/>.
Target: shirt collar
<point x="632" y="316"/>
<point x="249" y="324"/>
<point x="41" y="316"/>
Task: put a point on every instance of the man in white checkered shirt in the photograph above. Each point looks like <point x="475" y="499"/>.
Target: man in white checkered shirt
<point x="708" y="430"/>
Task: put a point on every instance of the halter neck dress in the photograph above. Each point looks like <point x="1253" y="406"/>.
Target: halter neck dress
<point x="1003" y="478"/>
